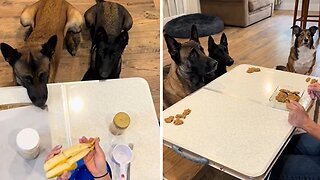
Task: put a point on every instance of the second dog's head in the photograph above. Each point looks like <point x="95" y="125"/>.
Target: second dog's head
<point x="220" y="51"/>
<point x="304" y="37"/>
<point x="190" y="57"/>
<point x="108" y="54"/>
<point x="31" y="66"/>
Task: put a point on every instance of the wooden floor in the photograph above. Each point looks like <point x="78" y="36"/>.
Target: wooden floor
<point x="266" y="43"/>
<point x="141" y="58"/>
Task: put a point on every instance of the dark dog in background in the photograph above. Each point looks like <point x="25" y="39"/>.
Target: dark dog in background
<point x="188" y="70"/>
<point x="303" y="53"/>
<point x="102" y="53"/>
<point x="109" y="24"/>
<point x="36" y="63"/>
<point x="220" y="53"/>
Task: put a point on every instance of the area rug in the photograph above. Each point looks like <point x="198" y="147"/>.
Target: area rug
<point x="207" y="25"/>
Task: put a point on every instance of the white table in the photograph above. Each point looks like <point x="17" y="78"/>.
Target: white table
<point x="86" y="109"/>
<point x="258" y="86"/>
<point x="233" y="125"/>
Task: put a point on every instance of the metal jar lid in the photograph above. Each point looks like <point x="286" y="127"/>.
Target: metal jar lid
<point x="121" y="120"/>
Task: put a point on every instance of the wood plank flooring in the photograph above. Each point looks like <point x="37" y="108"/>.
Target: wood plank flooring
<point x="266" y="43"/>
<point x="141" y="58"/>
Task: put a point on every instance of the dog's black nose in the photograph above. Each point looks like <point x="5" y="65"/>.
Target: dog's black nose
<point x="40" y="103"/>
<point x="305" y="41"/>
<point x="104" y="74"/>
<point x="230" y="62"/>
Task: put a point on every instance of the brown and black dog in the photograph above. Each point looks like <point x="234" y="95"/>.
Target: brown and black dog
<point x="36" y="63"/>
<point x="188" y="70"/>
<point x="109" y="24"/>
<point x="303" y="53"/>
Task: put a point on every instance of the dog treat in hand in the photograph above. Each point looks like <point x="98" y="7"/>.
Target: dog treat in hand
<point x="253" y="69"/>
<point x="169" y="119"/>
<point x="313" y="81"/>
<point x="285" y="96"/>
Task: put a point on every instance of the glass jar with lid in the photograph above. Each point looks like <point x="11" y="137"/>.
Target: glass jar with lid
<point x="119" y="123"/>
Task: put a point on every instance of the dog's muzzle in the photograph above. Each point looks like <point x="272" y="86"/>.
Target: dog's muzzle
<point x="230" y="62"/>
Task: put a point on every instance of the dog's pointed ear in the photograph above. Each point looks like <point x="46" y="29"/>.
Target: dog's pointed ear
<point x="49" y="47"/>
<point x="101" y="35"/>
<point x="173" y="48"/>
<point x="194" y="33"/>
<point x="313" y="30"/>
<point x="123" y="38"/>
<point x="224" y="40"/>
<point x="10" y="54"/>
<point x="296" y="30"/>
<point x="211" y="43"/>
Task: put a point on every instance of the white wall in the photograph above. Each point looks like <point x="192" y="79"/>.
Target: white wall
<point x="176" y="8"/>
<point x="289" y="5"/>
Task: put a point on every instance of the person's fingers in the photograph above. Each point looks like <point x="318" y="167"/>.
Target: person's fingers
<point x="291" y="106"/>
<point x="51" y="155"/>
<point x="57" y="147"/>
<point x="83" y="140"/>
<point x="312" y="95"/>
<point x="64" y="176"/>
<point x="91" y="139"/>
<point x="89" y="156"/>
<point x="313" y="87"/>
<point x="56" y="150"/>
<point x="297" y="105"/>
<point x="98" y="148"/>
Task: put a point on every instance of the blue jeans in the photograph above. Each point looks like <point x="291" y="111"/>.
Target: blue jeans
<point x="300" y="160"/>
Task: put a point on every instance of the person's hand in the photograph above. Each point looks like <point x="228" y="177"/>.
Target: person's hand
<point x="298" y="117"/>
<point x="95" y="160"/>
<point x="314" y="91"/>
<point x="56" y="150"/>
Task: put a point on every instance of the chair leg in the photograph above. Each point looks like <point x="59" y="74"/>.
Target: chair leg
<point x="302" y="14"/>
<point x="295" y="12"/>
<point x="319" y="19"/>
<point x="305" y="12"/>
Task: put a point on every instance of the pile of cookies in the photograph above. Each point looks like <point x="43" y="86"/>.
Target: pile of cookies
<point x="253" y="69"/>
<point x="285" y="96"/>
<point x="312" y="80"/>
<point x="178" y="118"/>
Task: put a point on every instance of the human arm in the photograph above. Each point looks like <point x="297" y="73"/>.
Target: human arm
<point x="95" y="160"/>
<point x="298" y="117"/>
